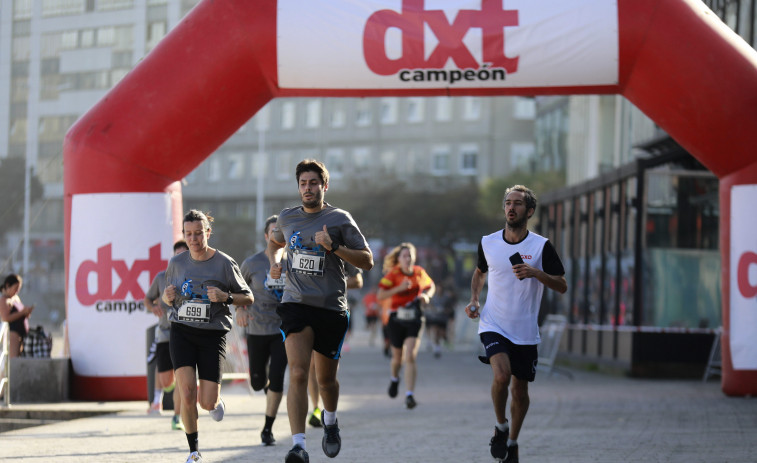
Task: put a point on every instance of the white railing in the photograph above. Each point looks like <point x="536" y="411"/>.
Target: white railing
<point x="5" y="387"/>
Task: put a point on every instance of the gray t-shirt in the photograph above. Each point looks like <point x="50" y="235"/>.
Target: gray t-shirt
<point x="316" y="277"/>
<point x="163" y="330"/>
<point x="267" y="293"/>
<point x="191" y="278"/>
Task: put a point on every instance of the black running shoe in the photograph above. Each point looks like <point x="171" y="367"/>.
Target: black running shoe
<point x="331" y="442"/>
<point x="499" y="443"/>
<point x="266" y="436"/>
<point x="410" y="402"/>
<point x="393" y="386"/>
<point x="297" y="455"/>
<point x="512" y="454"/>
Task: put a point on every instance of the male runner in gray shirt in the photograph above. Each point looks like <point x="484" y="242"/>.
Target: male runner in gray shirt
<point x="313" y="310"/>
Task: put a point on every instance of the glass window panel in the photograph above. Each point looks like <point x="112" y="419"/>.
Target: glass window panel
<point x="313" y="114"/>
<point x="415" y="109"/>
<point x="443" y="108"/>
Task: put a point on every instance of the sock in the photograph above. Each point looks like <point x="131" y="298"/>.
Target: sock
<point x="268" y="422"/>
<point x="194" y="442"/>
<point x="394" y="379"/>
<point x="511" y="442"/>
<point x="299" y="439"/>
<point x="158" y="396"/>
<point x="329" y="418"/>
<point x="502" y="426"/>
<point x="408" y="393"/>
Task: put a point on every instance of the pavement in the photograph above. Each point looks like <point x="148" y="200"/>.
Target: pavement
<point x="591" y="417"/>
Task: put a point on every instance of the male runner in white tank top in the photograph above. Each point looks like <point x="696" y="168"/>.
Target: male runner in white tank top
<point x="509" y="327"/>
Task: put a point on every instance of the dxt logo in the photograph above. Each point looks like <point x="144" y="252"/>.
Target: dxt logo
<point x="492" y="18"/>
<point x="104" y="266"/>
<point x="746" y="288"/>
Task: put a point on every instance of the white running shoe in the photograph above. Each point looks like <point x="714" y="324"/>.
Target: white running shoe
<point x="194" y="457"/>
<point x="217" y="413"/>
<point x="154" y="409"/>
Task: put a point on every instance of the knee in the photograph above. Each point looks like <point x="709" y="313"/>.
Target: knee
<point x="257" y="382"/>
<point x="298" y="375"/>
<point x="502" y="378"/>
<point x="188" y="395"/>
<point x="206" y="404"/>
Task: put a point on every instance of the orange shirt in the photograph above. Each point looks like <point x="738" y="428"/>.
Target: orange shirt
<point x="419" y="282"/>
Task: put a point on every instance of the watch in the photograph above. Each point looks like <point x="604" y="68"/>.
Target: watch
<point x="230" y="299"/>
<point x="334" y="246"/>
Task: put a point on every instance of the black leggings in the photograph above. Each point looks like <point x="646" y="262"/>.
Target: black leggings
<point x="261" y="349"/>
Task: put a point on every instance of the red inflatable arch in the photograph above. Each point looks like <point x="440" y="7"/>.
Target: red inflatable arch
<point x="673" y="59"/>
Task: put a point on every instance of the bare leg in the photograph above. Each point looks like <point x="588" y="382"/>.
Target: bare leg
<point x="326" y="369"/>
<point x="501" y="368"/>
<point x="299" y="347"/>
<point x="186" y="382"/>
<point x="518" y="406"/>
<point x="410" y="349"/>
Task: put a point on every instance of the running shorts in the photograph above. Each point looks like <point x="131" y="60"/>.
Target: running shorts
<point x="329" y="326"/>
<point x="523" y="358"/>
<point x="200" y="349"/>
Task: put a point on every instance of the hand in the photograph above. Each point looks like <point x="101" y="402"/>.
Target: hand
<point x="156" y="309"/>
<point x="472" y="309"/>
<point x="169" y="294"/>
<point x="323" y="238"/>
<point x="404" y="286"/>
<point x="276" y="271"/>
<point x="216" y="295"/>
<point x="242" y="317"/>
<point x="28" y="310"/>
<point x="424" y="298"/>
<point x="522" y="271"/>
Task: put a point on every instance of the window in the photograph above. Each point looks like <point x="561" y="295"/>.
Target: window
<point x="361" y="157"/>
<point x="259" y="165"/>
<point x="155" y="32"/>
<point x="22" y="9"/>
<point x="521" y="155"/>
<point x="287" y="115"/>
<point x="313" y="114"/>
<point x="21" y="49"/>
<point x="389" y="161"/>
<point x="338" y="114"/>
<point x="283" y="168"/>
<point x="443" y="108"/>
<point x="415" y="109"/>
<point x="363" y="109"/>
<point x="263" y="118"/>
<point x="214" y="169"/>
<point x="107" y="5"/>
<point x="389" y="110"/>
<point x="62" y="7"/>
<point x="440" y="160"/>
<point x="471" y="108"/>
<point x="87" y="38"/>
<point x="335" y="162"/>
<point x="236" y="166"/>
<point x="469" y="159"/>
<point x="525" y="108"/>
<point x="106" y="36"/>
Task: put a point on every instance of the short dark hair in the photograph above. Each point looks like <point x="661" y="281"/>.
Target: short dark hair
<point x="180" y="244"/>
<point x="11" y="280"/>
<point x="529" y="195"/>
<point x="269" y="221"/>
<point x="198" y="216"/>
<point x="312" y="165"/>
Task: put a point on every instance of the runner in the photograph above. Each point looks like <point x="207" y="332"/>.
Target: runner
<point x="519" y="264"/>
<point x="200" y="286"/>
<point x="314" y="315"/>
<point x="265" y="346"/>
<point x="165" y="378"/>
<point x="408" y="287"/>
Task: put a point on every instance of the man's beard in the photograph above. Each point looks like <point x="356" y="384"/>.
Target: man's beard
<point x="315" y="202"/>
<point x="517" y="223"/>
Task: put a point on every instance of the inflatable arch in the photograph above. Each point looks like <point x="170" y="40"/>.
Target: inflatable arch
<point x="674" y="59"/>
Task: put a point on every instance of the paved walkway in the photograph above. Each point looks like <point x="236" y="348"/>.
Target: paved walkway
<point x="590" y="418"/>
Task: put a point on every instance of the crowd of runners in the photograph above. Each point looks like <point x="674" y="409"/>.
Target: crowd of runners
<point x="291" y="299"/>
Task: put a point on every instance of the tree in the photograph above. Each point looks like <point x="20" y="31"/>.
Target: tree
<point x="493" y="192"/>
<point x="12" y="193"/>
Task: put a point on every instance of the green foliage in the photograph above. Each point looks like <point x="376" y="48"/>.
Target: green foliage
<point x="12" y="193"/>
<point x="493" y="191"/>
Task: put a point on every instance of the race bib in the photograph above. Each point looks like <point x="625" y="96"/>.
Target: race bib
<point x="272" y="284"/>
<point x="194" y="310"/>
<point x="308" y="262"/>
<point x="406" y="314"/>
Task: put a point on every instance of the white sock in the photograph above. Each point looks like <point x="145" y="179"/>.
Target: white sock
<point x="511" y="442"/>
<point x="329" y="418"/>
<point x="158" y="396"/>
<point x="408" y="393"/>
<point x="502" y="426"/>
<point x="299" y="439"/>
<point x="394" y="379"/>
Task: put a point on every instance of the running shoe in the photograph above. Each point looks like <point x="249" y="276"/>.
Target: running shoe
<point x="194" y="457"/>
<point x="217" y="413"/>
<point x="297" y="455"/>
<point x="176" y="423"/>
<point x="154" y="409"/>
<point x="266" y="436"/>
<point x="331" y="442"/>
<point x="315" y="418"/>
<point x="512" y="454"/>
<point x="499" y="443"/>
<point x="393" y="386"/>
<point x="410" y="402"/>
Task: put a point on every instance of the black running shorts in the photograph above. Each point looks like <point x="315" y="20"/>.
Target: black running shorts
<point x="200" y="349"/>
<point x="268" y="361"/>
<point x="523" y="358"/>
<point x="329" y="326"/>
<point x="163" y="357"/>
<point x="399" y="331"/>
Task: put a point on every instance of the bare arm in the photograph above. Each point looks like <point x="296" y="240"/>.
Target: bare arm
<point x="360" y="258"/>
<point x="7" y="316"/>
<point x="355" y="282"/>
<point x="153" y="307"/>
<point x="476" y="285"/>
<point x="553" y="282"/>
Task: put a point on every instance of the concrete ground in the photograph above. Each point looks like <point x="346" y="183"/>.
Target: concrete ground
<point x="590" y="418"/>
